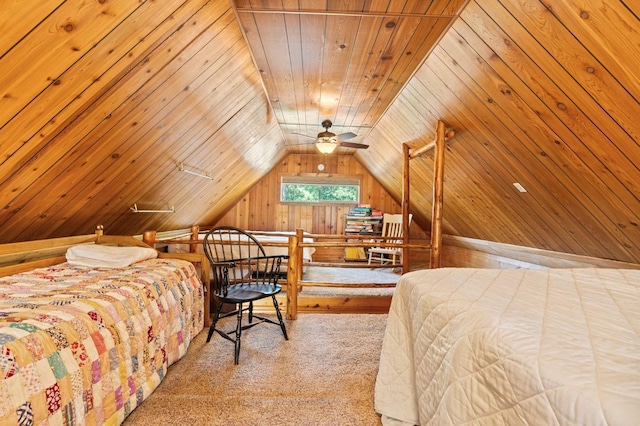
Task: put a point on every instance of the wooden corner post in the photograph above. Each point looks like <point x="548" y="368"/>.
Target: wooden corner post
<point x="292" y="278"/>
<point x="438" y="198"/>
<point x="405" y="204"/>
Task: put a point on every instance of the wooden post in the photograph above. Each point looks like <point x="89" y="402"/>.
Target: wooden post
<point x="405" y="205"/>
<point x="195" y="232"/>
<point x="292" y="278"/>
<point x="99" y="233"/>
<point x="149" y="238"/>
<point x="300" y="235"/>
<point x="438" y="199"/>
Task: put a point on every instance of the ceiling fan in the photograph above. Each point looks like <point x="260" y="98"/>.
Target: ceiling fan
<point x="327" y="141"/>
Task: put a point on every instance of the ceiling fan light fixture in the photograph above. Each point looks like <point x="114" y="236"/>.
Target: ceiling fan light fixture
<point x="326" y="147"/>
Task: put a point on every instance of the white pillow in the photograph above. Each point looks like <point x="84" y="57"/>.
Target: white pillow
<point x="100" y="256"/>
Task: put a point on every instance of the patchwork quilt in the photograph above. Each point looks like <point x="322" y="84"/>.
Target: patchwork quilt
<point x="512" y="347"/>
<point x="82" y="345"/>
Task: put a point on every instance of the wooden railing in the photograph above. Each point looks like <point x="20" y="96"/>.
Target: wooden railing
<point x="295" y="263"/>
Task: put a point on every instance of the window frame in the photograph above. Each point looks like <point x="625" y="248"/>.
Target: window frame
<point x="320" y="180"/>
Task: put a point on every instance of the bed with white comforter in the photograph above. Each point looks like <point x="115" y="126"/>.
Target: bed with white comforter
<point x="510" y="347"/>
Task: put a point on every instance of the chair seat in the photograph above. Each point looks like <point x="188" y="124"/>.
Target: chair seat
<point x="385" y="250"/>
<point x="247" y="292"/>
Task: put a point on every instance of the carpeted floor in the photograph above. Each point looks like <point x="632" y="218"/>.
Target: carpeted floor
<point x="324" y="375"/>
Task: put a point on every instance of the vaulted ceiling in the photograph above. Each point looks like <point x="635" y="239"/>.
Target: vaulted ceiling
<point x="102" y="101"/>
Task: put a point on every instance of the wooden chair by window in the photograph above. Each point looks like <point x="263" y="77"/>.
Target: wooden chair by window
<point x="391" y="227"/>
<point x="242" y="274"/>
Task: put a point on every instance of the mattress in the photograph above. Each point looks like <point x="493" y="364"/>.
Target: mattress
<point x="81" y="345"/>
<point x="510" y="347"/>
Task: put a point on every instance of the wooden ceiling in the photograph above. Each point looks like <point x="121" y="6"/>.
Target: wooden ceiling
<point x="101" y="102"/>
<point x="339" y="61"/>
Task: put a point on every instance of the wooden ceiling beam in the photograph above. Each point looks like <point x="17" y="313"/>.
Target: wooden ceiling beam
<point x="344" y="13"/>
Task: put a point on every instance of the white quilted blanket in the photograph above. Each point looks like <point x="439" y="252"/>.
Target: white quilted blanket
<point x="510" y="347"/>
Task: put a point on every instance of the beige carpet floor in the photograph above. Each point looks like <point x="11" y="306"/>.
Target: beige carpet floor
<point x="324" y="375"/>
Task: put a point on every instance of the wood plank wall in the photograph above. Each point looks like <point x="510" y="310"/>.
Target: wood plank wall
<point x="261" y="209"/>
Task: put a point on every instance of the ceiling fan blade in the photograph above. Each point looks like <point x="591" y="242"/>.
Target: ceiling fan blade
<point x="346" y="136"/>
<point x="353" y="145"/>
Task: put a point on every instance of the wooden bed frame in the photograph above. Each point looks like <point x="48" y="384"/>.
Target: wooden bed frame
<point x="25" y="256"/>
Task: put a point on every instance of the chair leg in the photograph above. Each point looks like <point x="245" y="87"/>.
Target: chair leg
<point x="279" y="314"/>
<point x="212" y="328"/>
<point x="250" y="312"/>
<point x="236" y="359"/>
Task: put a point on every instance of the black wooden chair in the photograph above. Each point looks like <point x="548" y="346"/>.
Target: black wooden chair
<point x="242" y="274"/>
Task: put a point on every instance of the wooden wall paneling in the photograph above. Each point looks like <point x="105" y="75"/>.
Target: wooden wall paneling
<point x="168" y="187"/>
<point x="40" y="120"/>
<point x="590" y="85"/>
<point x="567" y="197"/>
<point x="519" y="163"/>
<point x="144" y="163"/>
<point x="609" y="30"/>
<point x="593" y="89"/>
<point x="560" y="128"/>
<point x="119" y="134"/>
<point x="178" y="122"/>
<point x="75" y="30"/>
<point x="250" y="30"/>
<point x="421" y="178"/>
<point x="20" y="17"/>
<point x="68" y="137"/>
<point x="514" y="209"/>
<point x="576" y="79"/>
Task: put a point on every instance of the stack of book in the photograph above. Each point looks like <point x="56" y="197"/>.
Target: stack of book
<point x="360" y="211"/>
<point x="363" y="220"/>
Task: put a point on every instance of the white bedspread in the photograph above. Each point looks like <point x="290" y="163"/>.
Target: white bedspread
<point x="509" y="347"/>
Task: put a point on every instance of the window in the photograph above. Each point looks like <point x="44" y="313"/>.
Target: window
<point x="320" y="189"/>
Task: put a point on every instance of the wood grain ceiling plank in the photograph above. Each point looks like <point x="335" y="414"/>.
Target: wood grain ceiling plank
<point x="455" y="7"/>
<point x="381" y="90"/>
<point x="165" y="140"/>
<point x="359" y="69"/>
<point x="234" y="159"/>
<point x="35" y="126"/>
<point x="590" y="95"/>
<point x="70" y="136"/>
<point x="311" y="41"/>
<point x="337" y="47"/>
<point x="157" y="181"/>
<point x="273" y="39"/>
<point x="611" y="32"/>
<point x="372" y="37"/>
<point x="252" y="37"/>
<point x="294" y="29"/>
<point x="18" y="18"/>
<point x="77" y="133"/>
<point x="488" y="189"/>
<point x="552" y="203"/>
<point x="567" y="197"/>
<point x="589" y="154"/>
<point x="52" y="47"/>
<point x="521" y="220"/>
<point x="587" y="118"/>
<point x="418" y="47"/>
<point x="632" y="5"/>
